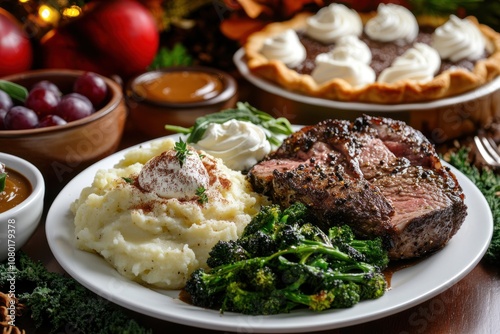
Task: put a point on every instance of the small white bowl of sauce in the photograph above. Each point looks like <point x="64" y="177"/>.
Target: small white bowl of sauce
<point x="21" y="204"/>
<point x="177" y="96"/>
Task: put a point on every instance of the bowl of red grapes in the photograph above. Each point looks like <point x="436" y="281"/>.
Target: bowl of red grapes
<point x="44" y="104"/>
<point x="60" y="120"/>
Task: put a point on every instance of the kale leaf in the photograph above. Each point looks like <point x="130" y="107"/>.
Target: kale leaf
<point x="60" y="302"/>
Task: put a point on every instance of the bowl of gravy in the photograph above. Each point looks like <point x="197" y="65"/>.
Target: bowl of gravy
<point x="177" y="96"/>
<point x="21" y="203"/>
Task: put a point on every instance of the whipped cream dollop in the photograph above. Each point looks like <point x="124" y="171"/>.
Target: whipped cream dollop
<point x="349" y="60"/>
<point x="419" y="63"/>
<point x="353" y="47"/>
<point x="332" y="22"/>
<point x="458" y="39"/>
<point x="392" y="23"/>
<point x="285" y="47"/>
<point x="165" y="176"/>
<point x="239" y="144"/>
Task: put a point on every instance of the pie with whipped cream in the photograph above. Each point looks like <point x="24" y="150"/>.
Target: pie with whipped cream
<point x="389" y="56"/>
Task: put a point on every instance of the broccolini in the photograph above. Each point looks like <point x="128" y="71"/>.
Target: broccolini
<point x="282" y="262"/>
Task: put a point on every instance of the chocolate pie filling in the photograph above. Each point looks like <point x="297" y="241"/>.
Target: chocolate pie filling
<point x="383" y="53"/>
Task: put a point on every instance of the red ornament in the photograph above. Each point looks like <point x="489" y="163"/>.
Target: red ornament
<point x="112" y="37"/>
<point x="16" y="52"/>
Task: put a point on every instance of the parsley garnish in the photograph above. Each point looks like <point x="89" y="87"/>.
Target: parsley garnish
<point x="3" y="178"/>
<point x="128" y="179"/>
<point x="182" y="151"/>
<point x="202" y="195"/>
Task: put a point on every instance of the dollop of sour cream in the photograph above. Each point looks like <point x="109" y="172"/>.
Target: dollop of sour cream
<point x="239" y="144"/>
<point x="165" y="176"/>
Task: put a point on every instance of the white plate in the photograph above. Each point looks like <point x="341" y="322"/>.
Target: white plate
<point x="410" y="286"/>
<point x="270" y="87"/>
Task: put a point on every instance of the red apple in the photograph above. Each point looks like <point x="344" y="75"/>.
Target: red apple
<point x="16" y="52"/>
<point x="112" y="37"/>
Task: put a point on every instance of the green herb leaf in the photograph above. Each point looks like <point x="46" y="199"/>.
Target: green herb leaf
<point x="165" y="57"/>
<point x="59" y="302"/>
<point x="3" y="179"/>
<point x="488" y="182"/>
<point x="128" y="179"/>
<point x="182" y="151"/>
<point x="202" y="195"/>
<point x="274" y="127"/>
<point x="14" y="90"/>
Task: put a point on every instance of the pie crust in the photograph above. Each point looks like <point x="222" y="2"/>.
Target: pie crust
<point x="448" y="83"/>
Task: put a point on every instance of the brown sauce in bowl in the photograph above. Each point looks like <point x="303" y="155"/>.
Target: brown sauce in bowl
<point x="180" y="87"/>
<point x="17" y="189"/>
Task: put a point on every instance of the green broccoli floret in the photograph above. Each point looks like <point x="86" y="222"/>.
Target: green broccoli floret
<point x="319" y="301"/>
<point x="372" y="250"/>
<point x="259" y="244"/>
<point x="226" y="252"/>
<point x="314" y="233"/>
<point x="290" y="263"/>
<point x="371" y="282"/>
<point x="271" y="219"/>
<point x="374" y="287"/>
<point x="207" y="289"/>
<point x="261" y="279"/>
<point x="240" y="299"/>
<point x="270" y="230"/>
<point x="265" y="221"/>
<point x="346" y="295"/>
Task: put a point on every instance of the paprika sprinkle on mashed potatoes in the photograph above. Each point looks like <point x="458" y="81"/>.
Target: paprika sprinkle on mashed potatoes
<point x="158" y="233"/>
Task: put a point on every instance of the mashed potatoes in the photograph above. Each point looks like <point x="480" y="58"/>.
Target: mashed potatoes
<point x="156" y="240"/>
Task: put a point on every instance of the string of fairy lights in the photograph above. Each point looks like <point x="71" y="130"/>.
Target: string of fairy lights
<point x="38" y="17"/>
<point x="52" y="12"/>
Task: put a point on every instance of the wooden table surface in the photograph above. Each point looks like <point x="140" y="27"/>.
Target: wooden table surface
<point x="470" y="306"/>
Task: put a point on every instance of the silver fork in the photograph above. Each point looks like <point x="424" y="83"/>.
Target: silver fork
<point x="488" y="150"/>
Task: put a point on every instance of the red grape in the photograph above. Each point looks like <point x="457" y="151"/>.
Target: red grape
<point x="73" y="107"/>
<point x="42" y="101"/>
<point x="46" y="106"/>
<point x="3" y="112"/>
<point x="51" y="120"/>
<point x="93" y="87"/>
<point x="5" y="100"/>
<point x="20" y="117"/>
<point x="47" y="85"/>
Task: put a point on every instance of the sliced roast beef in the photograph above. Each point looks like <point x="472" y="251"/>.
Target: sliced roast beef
<point x="378" y="175"/>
